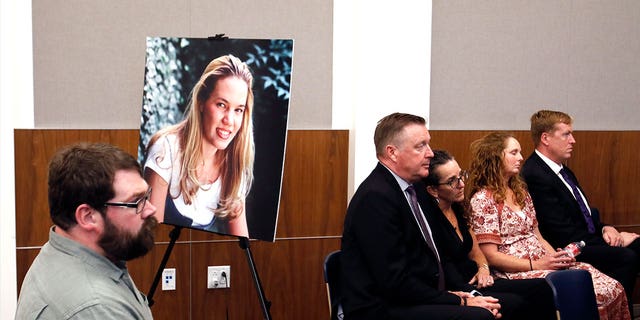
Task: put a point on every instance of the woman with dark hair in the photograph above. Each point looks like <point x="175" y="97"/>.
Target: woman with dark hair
<point x="504" y="220"/>
<point x="457" y="243"/>
<point x="445" y="184"/>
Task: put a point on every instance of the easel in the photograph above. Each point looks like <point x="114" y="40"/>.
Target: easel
<point x="173" y="235"/>
<point x="264" y="303"/>
<point x="244" y="244"/>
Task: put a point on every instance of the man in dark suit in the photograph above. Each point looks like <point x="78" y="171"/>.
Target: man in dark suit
<point x="562" y="208"/>
<point x="390" y="266"/>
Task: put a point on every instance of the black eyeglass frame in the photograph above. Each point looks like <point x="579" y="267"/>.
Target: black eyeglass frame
<point x="134" y="205"/>
<point x="454" y="182"/>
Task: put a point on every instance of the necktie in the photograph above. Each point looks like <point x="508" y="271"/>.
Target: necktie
<point x="581" y="204"/>
<point x="425" y="232"/>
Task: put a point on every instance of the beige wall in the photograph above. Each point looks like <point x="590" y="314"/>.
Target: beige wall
<point x="494" y="63"/>
<point x="89" y="55"/>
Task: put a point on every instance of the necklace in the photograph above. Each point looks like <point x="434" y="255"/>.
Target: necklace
<point x="453" y="221"/>
<point x="207" y="176"/>
<point x="205" y="189"/>
<point x="450" y="215"/>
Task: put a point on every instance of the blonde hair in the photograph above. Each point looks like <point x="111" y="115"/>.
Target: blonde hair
<point x="545" y="121"/>
<point x="236" y="161"/>
<point x="486" y="170"/>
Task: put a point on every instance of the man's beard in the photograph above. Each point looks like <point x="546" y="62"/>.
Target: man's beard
<point x="122" y="245"/>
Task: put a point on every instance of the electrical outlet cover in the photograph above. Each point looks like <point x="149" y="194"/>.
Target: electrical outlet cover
<point x="218" y="277"/>
<point x="169" y="279"/>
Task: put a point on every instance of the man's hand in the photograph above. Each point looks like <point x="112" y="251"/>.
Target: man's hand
<point x="628" y="237"/>
<point x="612" y="237"/>
<point x="489" y="303"/>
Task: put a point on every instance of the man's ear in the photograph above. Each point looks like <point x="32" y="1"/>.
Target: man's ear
<point x="432" y="191"/>
<point x="87" y="217"/>
<point x="544" y="138"/>
<point x="391" y="152"/>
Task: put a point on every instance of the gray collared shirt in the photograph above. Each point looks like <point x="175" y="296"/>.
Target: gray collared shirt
<point x="70" y="281"/>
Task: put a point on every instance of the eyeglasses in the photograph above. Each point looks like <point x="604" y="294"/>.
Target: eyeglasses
<point x="454" y="182"/>
<point x="138" y="204"/>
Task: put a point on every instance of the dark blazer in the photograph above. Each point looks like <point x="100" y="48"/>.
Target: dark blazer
<point x="385" y="261"/>
<point x="559" y="216"/>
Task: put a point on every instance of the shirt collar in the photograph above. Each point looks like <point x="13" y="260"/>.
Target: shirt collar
<point x="552" y="164"/>
<point x="100" y="263"/>
<point x="403" y="184"/>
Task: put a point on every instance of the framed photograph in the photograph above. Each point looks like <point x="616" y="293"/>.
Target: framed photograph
<point x="213" y="132"/>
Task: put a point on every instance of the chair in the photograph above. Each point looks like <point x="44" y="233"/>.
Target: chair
<point x="332" y="279"/>
<point x="573" y="294"/>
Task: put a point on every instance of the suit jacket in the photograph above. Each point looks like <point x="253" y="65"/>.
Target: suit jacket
<point x="559" y="216"/>
<point x="385" y="260"/>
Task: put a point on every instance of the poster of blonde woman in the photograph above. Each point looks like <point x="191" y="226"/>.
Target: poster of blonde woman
<point x="213" y="132"/>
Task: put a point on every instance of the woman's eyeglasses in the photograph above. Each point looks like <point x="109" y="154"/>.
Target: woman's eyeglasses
<point x="454" y="182"/>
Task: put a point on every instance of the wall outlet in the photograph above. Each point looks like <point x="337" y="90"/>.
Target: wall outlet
<point x="218" y="277"/>
<point x="169" y="279"/>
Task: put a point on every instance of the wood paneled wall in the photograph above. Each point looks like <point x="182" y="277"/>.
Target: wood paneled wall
<point x="312" y="208"/>
<point x="313" y="203"/>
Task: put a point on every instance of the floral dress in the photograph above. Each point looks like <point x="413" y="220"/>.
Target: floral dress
<point x="513" y="232"/>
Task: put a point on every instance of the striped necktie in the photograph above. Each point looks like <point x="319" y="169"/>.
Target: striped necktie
<point x="425" y="232"/>
<point x="581" y="204"/>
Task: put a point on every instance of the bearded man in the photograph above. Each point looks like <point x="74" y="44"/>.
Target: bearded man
<point x="101" y="216"/>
